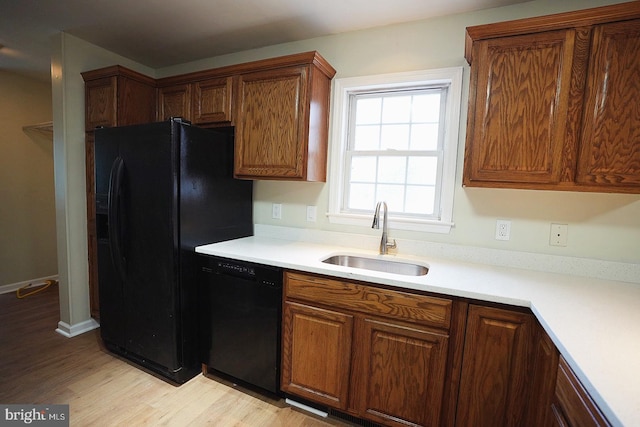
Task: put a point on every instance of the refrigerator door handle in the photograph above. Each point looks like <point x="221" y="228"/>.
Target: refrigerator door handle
<point x="115" y="246"/>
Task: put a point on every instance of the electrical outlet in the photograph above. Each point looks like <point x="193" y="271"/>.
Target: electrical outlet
<point x="311" y="213"/>
<point x="503" y="229"/>
<point x="276" y="211"/>
<point x="558" y="234"/>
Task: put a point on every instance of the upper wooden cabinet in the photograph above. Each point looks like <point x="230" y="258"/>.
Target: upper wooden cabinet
<point x="282" y="121"/>
<point x="203" y="102"/>
<point x="174" y="101"/>
<point x="279" y="107"/>
<point x="117" y="96"/>
<point x="550" y="102"/>
<point x="610" y="145"/>
<point x="520" y="119"/>
<point x="212" y="101"/>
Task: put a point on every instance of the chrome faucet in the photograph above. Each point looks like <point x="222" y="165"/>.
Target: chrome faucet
<point x="384" y="245"/>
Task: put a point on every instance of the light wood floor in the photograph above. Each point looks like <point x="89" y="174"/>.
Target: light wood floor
<point x="40" y="366"/>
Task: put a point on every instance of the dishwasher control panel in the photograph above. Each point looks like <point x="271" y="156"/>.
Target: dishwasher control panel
<point x="264" y="274"/>
<point x="235" y="268"/>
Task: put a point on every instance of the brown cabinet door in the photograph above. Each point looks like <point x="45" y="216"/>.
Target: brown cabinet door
<point x="101" y="102"/>
<point x="316" y="350"/>
<point x="610" y="149"/>
<point x="496" y="368"/>
<point x="272" y="124"/>
<point x="543" y="381"/>
<point x="572" y="405"/>
<point x="401" y="373"/>
<point x="518" y="107"/>
<point x="116" y="96"/>
<point x="136" y="102"/>
<point x="212" y="101"/>
<point x="174" y="101"/>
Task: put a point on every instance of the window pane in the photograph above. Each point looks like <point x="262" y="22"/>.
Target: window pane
<point x="363" y="169"/>
<point x="424" y="137"/>
<point x="396" y="109"/>
<point x="368" y="110"/>
<point x="392" y="169"/>
<point x="393" y="195"/>
<point x="422" y="170"/>
<point x="361" y="196"/>
<point x="395" y="137"/>
<point x="367" y="137"/>
<point x="426" y="108"/>
<point x="420" y="200"/>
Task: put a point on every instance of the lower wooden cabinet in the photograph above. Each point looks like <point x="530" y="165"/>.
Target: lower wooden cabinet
<point x="316" y="353"/>
<point x="494" y="387"/>
<point x="377" y="354"/>
<point x="399" y="373"/>
<point x="543" y="380"/>
<point x="572" y="406"/>
<point x="399" y="358"/>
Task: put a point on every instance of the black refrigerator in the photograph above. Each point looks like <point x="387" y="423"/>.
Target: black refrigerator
<point x="161" y="190"/>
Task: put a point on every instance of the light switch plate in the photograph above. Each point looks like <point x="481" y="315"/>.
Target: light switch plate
<point x="312" y="213"/>
<point x="276" y="211"/>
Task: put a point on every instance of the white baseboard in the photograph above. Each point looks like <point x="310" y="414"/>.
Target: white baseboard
<point x="71" y="331"/>
<point x="12" y="287"/>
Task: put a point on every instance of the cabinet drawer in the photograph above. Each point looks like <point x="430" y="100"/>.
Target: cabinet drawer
<point x="422" y="309"/>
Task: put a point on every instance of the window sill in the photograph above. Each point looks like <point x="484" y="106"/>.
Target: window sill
<point x="396" y="223"/>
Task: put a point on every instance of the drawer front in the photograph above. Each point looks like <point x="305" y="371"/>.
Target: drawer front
<point x="352" y="296"/>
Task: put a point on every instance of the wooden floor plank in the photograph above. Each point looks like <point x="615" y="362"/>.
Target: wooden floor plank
<point x="41" y="366"/>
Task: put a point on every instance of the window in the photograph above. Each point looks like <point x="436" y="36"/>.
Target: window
<point x="396" y="139"/>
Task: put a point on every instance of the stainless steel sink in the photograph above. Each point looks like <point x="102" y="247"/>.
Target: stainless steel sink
<point x="376" y="264"/>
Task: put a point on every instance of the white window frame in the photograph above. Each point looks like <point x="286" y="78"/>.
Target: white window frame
<point x="342" y="90"/>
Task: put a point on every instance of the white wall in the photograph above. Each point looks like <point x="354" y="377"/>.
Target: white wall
<point x="601" y="226"/>
<point x="27" y="225"/>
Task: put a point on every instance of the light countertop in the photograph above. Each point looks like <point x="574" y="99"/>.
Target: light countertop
<point x="594" y="323"/>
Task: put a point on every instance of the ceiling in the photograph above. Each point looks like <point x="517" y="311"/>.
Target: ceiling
<point x="159" y="33"/>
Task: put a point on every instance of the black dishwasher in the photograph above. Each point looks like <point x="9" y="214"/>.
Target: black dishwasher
<point x="242" y="311"/>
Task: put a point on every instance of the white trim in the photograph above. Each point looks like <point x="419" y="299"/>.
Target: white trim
<point x="340" y="102"/>
<point x="71" y="331"/>
<point x="12" y="287"/>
